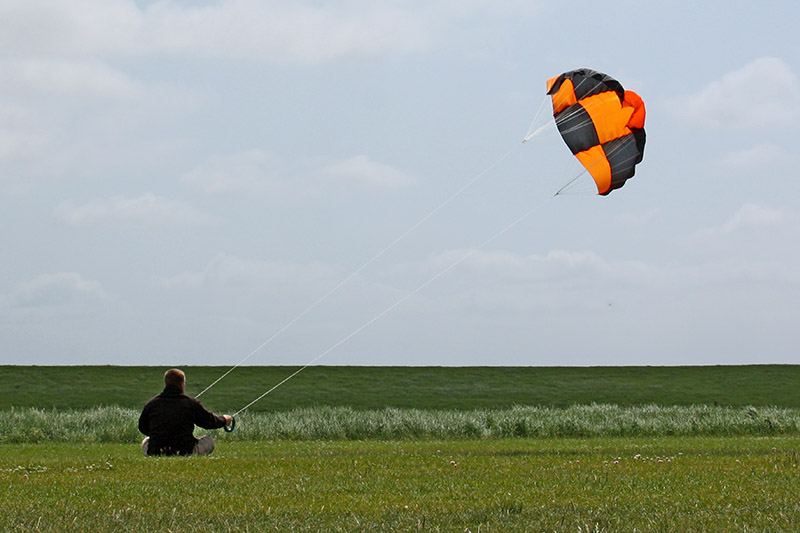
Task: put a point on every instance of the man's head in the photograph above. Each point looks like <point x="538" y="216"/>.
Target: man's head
<point x="175" y="378"/>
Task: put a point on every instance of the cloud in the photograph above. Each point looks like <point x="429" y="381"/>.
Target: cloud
<point x="748" y="217"/>
<point x="555" y="265"/>
<point x="260" y="170"/>
<point x="755" y="158"/>
<point x="636" y="219"/>
<point x="281" y="31"/>
<point x="227" y="270"/>
<point x="16" y="137"/>
<point x="66" y="118"/>
<point x="753" y="245"/>
<point x="764" y="93"/>
<point x="67" y="288"/>
<point x="145" y="210"/>
<point x="68" y="27"/>
<point x="18" y="144"/>
<point x="285" y="31"/>
<point x="503" y="281"/>
<point x="245" y="171"/>
<point x="68" y="78"/>
<point x="363" y="171"/>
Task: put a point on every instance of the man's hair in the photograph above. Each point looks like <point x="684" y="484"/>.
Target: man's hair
<point x="174" y="378"/>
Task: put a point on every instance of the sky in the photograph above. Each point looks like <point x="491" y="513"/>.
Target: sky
<point x="343" y="182"/>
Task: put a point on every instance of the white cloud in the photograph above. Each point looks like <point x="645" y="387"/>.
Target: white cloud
<point x="755" y="158"/>
<point x="16" y="136"/>
<point x="227" y="270"/>
<point x="145" y="210"/>
<point x="259" y="170"/>
<point x="67" y="288"/>
<point x="748" y="217"/>
<point x="635" y="219"/>
<point x="285" y="31"/>
<point x="754" y="245"/>
<point x="555" y="265"/>
<point x="18" y="144"/>
<point x="67" y="27"/>
<point x="502" y="280"/>
<point x="67" y="118"/>
<point x="69" y="78"/>
<point x="364" y="171"/>
<point x="507" y="282"/>
<point x="762" y="94"/>
<point x="313" y="32"/>
<point x="244" y="171"/>
<point x="278" y="30"/>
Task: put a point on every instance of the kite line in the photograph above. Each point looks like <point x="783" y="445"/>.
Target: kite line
<point x="377" y="317"/>
<point x="574" y="119"/>
<point x="531" y="134"/>
<point x="409" y="295"/>
<point x="383" y="251"/>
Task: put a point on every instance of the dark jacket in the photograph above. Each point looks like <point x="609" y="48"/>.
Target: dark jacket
<point x="169" y="420"/>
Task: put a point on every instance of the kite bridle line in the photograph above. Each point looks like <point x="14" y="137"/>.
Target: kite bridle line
<point x="391" y="245"/>
<point x="570" y="182"/>
<point x="531" y="133"/>
<point x="587" y="170"/>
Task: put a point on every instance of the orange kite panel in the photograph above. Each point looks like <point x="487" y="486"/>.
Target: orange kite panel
<point x="609" y="118"/>
<point x="595" y="161"/>
<point x="565" y="96"/>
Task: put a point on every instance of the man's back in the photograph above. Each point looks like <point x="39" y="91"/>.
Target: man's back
<point x="169" y="420"/>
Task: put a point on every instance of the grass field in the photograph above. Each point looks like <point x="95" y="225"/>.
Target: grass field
<point x="408" y="387"/>
<point x="594" y="484"/>
<point x="411" y="449"/>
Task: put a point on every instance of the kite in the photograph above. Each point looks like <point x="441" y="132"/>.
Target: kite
<point x="602" y="123"/>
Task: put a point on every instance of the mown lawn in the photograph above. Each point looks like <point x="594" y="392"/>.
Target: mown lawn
<point x="594" y="484"/>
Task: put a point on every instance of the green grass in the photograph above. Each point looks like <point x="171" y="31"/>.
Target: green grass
<point x="465" y="388"/>
<point x="593" y="484"/>
<point x="405" y="449"/>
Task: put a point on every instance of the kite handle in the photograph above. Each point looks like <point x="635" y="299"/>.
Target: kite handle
<point x="228" y="429"/>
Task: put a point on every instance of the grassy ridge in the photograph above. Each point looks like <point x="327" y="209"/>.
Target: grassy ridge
<point x="116" y="424"/>
<point x="79" y="387"/>
<point x="648" y="484"/>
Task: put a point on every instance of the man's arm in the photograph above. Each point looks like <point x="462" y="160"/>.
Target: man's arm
<point x="208" y="420"/>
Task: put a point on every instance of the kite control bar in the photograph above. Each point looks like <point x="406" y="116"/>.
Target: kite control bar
<point x="228" y="429"/>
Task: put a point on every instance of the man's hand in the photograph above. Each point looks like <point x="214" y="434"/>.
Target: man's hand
<point x="228" y="419"/>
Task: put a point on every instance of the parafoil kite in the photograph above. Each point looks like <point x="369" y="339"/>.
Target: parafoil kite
<point x="602" y="123"/>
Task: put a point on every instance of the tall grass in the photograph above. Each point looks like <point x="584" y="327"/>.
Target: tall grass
<point x="99" y="424"/>
<point x="117" y="425"/>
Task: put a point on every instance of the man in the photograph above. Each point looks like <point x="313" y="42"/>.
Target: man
<point x="168" y="420"/>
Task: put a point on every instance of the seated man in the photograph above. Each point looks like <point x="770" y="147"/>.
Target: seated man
<point x="168" y="420"/>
